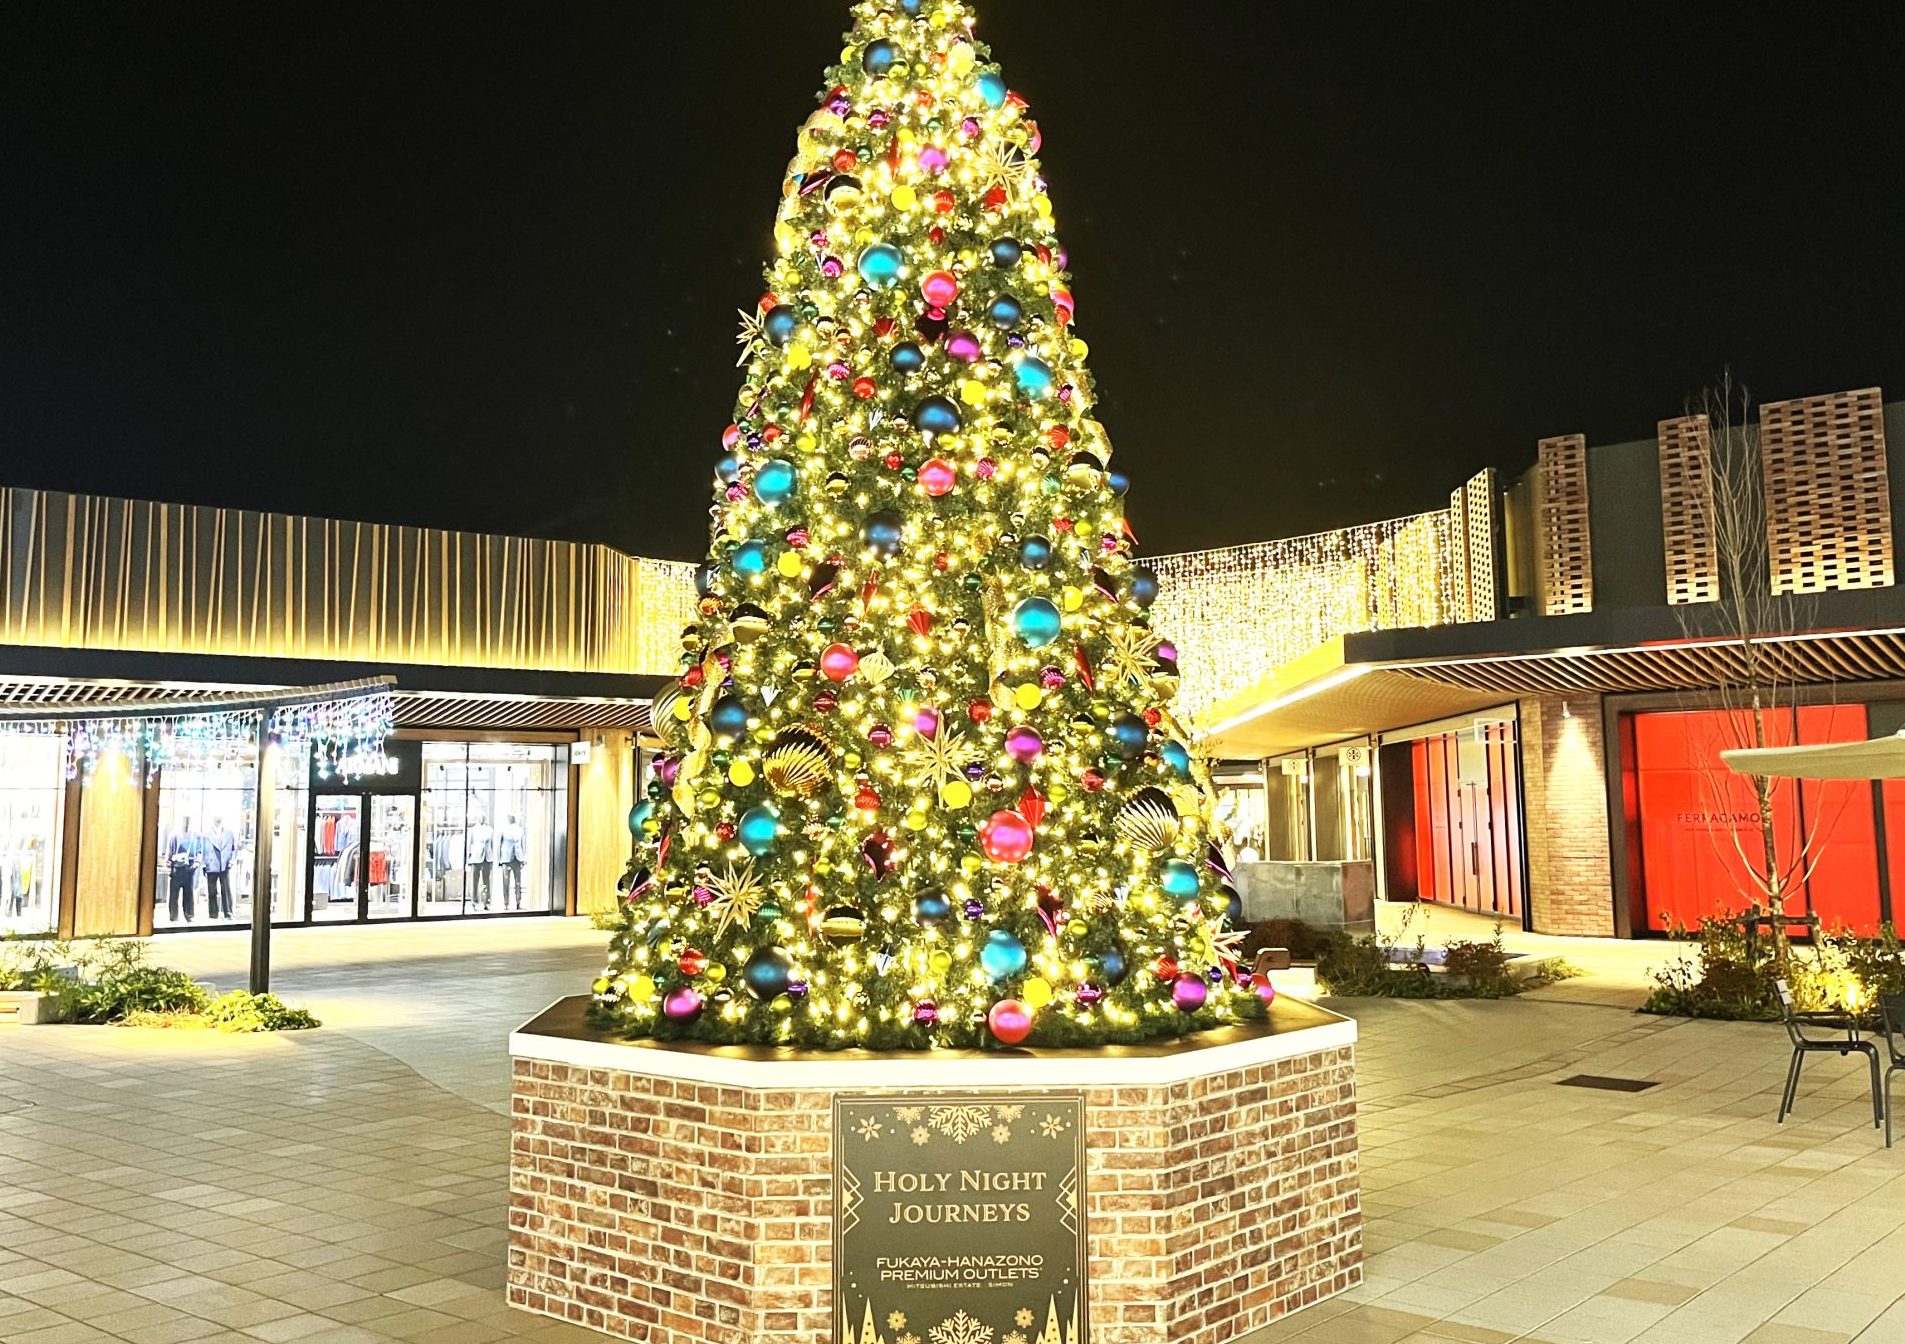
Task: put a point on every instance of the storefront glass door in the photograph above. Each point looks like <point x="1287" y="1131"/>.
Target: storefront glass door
<point x="389" y="892"/>
<point x="337" y="851"/>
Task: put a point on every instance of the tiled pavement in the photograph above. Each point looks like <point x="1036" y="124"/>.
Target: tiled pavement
<point x="347" y="1185"/>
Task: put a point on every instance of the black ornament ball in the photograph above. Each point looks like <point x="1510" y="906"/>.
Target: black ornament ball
<point x="768" y="973"/>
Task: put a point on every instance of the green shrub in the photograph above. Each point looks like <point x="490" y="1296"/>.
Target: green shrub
<point x="1359" y="967"/>
<point x="1303" y="941"/>
<point x="1483" y="967"/>
<point x="144" y="989"/>
<point x="241" y="1010"/>
<point x="1732" y="975"/>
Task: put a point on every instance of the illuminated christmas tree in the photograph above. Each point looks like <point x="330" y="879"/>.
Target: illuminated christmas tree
<point x="924" y="787"/>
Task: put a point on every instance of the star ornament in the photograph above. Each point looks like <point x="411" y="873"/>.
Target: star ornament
<point x="738" y="894"/>
<point x="753" y="337"/>
<point x="1129" y="655"/>
<point x="941" y="757"/>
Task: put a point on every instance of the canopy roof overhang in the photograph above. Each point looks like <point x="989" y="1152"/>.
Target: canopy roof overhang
<point x="424" y="697"/>
<point x="1362" y="684"/>
<point x="1880" y="758"/>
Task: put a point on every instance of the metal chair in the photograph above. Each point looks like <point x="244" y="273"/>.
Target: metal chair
<point x="1892" y="1020"/>
<point x="1803" y="1045"/>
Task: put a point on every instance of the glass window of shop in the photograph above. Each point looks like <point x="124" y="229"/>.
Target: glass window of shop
<point x="1243" y="809"/>
<point x="494" y="828"/>
<point x="207" y="815"/>
<point x="207" y="844"/>
<point x="32" y="799"/>
<point x="1320" y="805"/>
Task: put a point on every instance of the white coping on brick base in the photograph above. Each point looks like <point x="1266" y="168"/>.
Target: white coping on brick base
<point x="952" y="1069"/>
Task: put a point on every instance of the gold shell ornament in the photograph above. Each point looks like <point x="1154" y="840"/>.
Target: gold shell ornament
<point x="1148" y="820"/>
<point x="798" y="763"/>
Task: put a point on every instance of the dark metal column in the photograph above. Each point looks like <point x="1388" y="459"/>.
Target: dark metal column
<point x="261" y="861"/>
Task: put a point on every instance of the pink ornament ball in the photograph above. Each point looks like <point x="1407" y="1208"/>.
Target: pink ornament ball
<point x="682" y="1004"/>
<point x="838" y="662"/>
<point x="1189" y="993"/>
<point x="941" y="289"/>
<point x="933" y="159"/>
<point x="964" y="347"/>
<point x="937" y="478"/>
<point x="1265" y="990"/>
<point x="1024" y="744"/>
<point x="1006" y="837"/>
<point x="926" y="721"/>
<point x="1010" y="1022"/>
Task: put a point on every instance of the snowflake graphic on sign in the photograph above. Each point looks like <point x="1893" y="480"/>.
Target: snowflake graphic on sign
<point x="960" y="1328"/>
<point x="960" y="1123"/>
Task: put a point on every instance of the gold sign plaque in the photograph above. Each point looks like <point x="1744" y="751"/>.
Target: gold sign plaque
<point x="959" y="1218"/>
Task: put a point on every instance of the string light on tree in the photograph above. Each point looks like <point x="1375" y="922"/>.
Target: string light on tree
<point x="920" y="688"/>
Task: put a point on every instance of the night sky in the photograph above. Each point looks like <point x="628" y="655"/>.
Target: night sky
<point x="476" y="264"/>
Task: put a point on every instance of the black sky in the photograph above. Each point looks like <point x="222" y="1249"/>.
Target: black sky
<point x="476" y="264"/>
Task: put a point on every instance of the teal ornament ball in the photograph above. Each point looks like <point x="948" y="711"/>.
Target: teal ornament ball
<point x="936" y="415"/>
<point x="880" y="57"/>
<point x="1007" y="253"/>
<point x="1006" y="312"/>
<point x="1112" y="965"/>
<point x="1178" y="757"/>
<point x="1035" y="377"/>
<point x="728" y="718"/>
<point x="768" y="973"/>
<point x="760" y="830"/>
<point x="780" y="323"/>
<point x="1129" y="733"/>
<point x="1144" y="585"/>
<point x="880" y="265"/>
<point x="1179" y="879"/>
<point x="749" y="559"/>
<point x="907" y="357"/>
<point x="1003" y="956"/>
<point x="1036" y="622"/>
<point x="884" y="532"/>
<point x="776" y="481"/>
<point x="641" y="819"/>
<point x="992" y="88"/>
<point x="1035" y="553"/>
<point x="932" y="908"/>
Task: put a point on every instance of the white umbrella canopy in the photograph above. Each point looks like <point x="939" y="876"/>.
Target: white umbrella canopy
<point x="1880" y="758"/>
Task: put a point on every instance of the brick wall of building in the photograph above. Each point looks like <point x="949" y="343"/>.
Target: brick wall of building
<point x="688" y="1213"/>
<point x="1564" y="783"/>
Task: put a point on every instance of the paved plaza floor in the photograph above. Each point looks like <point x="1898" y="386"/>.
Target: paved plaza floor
<point x="347" y="1185"/>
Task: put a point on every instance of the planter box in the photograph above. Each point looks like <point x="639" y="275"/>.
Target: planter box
<point x="24" y="1007"/>
<point x="683" y="1194"/>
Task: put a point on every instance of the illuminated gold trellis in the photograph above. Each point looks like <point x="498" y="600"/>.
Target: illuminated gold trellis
<point x="85" y="571"/>
<point x="1241" y="612"/>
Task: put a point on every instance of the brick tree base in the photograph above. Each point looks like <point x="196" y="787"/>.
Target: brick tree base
<point x="683" y="1195"/>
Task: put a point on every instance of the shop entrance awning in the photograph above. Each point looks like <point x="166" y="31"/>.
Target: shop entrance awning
<point x="1880" y="758"/>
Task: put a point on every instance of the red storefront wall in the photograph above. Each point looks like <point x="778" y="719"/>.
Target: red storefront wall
<point x="1467" y="828"/>
<point x="1699" y="829"/>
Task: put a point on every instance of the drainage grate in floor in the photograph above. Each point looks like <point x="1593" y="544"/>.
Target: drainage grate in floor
<point x="1600" y="1083"/>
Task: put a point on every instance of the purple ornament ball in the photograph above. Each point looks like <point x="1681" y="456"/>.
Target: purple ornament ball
<point x="682" y="1004"/>
<point x="1189" y="993"/>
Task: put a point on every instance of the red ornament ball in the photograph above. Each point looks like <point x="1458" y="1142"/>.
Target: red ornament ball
<point x="980" y="710"/>
<point x="724" y="831"/>
<point x="1010" y="1021"/>
<point x="937" y="477"/>
<point x="838" y="662"/>
<point x="844" y="161"/>
<point x="941" y="289"/>
<point x="693" y="961"/>
<point x="1006" y="837"/>
<point x="944" y="201"/>
<point x="1166" y="969"/>
<point x="865" y="389"/>
<point x="893" y="461"/>
<point x="1265" y="990"/>
<point x="1092" y="781"/>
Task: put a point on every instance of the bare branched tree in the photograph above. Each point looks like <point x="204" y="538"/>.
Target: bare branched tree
<point x="1756" y="683"/>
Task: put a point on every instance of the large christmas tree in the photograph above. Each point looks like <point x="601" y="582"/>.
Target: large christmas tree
<point x="924" y="787"/>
